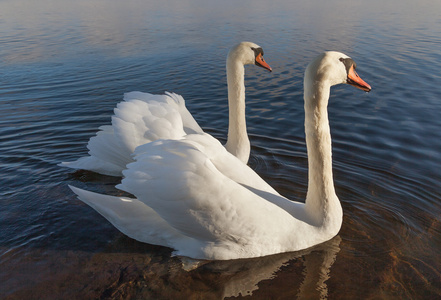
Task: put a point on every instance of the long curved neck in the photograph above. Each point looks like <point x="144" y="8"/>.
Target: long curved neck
<point x="238" y="143"/>
<point x="321" y="200"/>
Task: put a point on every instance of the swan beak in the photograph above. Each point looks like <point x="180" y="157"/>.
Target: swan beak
<point x="262" y="63"/>
<point x="355" y="80"/>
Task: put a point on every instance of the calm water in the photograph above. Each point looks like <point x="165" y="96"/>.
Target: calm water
<point x="65" y="65"/>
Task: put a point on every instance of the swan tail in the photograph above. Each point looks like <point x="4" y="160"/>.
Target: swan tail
<point x="94" y="164"/>
<point x="130" y="216"/>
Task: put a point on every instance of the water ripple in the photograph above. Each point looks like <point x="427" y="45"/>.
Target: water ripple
<point x="66" y="65"/>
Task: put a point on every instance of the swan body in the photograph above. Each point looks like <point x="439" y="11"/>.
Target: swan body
<point x="143" y="118"/>
<point x="196" y="197"/>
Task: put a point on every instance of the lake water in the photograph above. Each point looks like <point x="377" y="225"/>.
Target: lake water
<point x="64" y="65"/>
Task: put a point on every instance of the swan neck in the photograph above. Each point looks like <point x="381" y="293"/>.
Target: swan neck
<point x="321" y="199"/>
<point x="238" y="143"/>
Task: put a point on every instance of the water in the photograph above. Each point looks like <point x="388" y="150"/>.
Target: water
<point x="65" y="65"/>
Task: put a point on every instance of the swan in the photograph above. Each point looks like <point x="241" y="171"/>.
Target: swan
<point x="194" y="196"/>
<point x="142" y="118"/>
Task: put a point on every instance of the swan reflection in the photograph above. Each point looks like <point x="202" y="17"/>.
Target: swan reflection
<point x="246" y="274"/>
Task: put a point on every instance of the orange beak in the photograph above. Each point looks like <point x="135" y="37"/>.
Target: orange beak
<point x="355" y="80"/>
<point x="262" y="63"/>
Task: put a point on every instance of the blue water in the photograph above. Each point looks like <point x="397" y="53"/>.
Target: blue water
<point x="65" y="65"/>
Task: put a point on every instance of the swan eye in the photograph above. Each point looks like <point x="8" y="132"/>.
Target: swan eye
<point x="257" y="51"/>
<point x="348" y="62"/>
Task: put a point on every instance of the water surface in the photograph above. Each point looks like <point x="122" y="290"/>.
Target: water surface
<point x="65" y="65"/>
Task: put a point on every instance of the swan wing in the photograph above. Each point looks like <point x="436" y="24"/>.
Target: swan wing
<point x="106" y="154"/>
<point x="178" y="180"/>
<point x="141" y="118"/>
<point x="190" y="124"/>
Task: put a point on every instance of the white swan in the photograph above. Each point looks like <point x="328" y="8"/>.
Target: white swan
<point x="142" y="118"/>
<point x="194" y="196"/>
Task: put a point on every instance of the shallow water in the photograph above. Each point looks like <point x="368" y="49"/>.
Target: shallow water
<point x="65" y="65"/>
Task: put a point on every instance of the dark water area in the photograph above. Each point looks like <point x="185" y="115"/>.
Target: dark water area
<point x="65" y="65"/>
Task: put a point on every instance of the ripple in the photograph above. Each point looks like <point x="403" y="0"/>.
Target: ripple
<point x="63" y="76"/>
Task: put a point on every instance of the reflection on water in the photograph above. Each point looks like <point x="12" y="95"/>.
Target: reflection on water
<point x="66" y="64"/>
<point x="247" y="274"/>
<point x="143" y="271"/>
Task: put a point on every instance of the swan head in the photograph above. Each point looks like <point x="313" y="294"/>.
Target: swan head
<point x="335" y="68"/>
<point x="248" y="53"/>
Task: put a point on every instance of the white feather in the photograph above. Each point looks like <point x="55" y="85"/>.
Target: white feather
<point x="196" y="197"/>
<point x="142" y="118"/>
